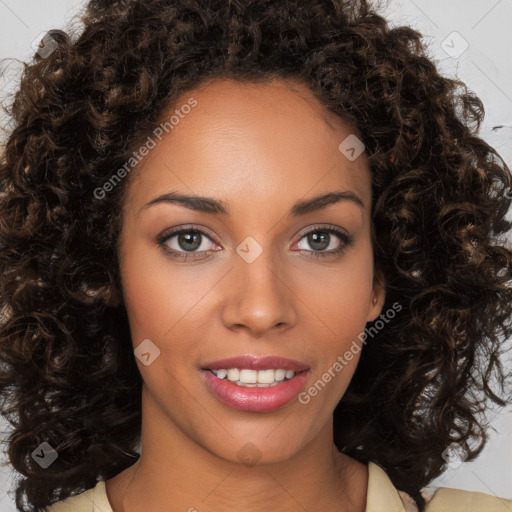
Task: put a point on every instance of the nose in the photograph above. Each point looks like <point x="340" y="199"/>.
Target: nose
<point x="258" y="296"/>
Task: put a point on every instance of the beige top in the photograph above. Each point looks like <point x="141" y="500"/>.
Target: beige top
<point x="382" y="496"/>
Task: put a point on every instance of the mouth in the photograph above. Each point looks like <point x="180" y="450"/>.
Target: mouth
<point x="256" y="384"/>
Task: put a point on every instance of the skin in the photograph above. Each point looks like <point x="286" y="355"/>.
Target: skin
<point x="259" y="148"/>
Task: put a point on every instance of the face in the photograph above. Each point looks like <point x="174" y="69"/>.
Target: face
<point x="257" y="271"/>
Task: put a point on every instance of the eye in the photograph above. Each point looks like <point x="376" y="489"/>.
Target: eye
<point x="321" y="239"/>
<point x="185" y="243"/>
<point x="192" y="243"/>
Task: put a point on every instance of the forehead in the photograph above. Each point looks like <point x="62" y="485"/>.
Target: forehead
<point x="286" y="97"/>
<point x="259" y="140"/>
<point x="275" y="103"/>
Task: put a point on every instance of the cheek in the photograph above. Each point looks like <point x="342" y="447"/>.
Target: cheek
<point x="340" y="295"/>
<point x="159" y="293"/>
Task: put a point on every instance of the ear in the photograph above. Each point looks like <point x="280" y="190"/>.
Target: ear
<point x="114" y="298"/>
<point x="378" y="296"/>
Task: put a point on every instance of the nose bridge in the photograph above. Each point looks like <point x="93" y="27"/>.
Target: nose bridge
<point x="258" y="297"/>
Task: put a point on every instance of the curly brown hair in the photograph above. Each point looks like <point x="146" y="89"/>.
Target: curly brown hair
<point x="439" y="202"/>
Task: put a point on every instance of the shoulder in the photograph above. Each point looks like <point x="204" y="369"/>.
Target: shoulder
<point x="383" y="496"/>
<point x="92" y="500"/>
<point x="454" y="500"/>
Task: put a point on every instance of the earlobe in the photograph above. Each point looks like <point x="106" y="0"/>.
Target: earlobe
<point x="378" y="296"/>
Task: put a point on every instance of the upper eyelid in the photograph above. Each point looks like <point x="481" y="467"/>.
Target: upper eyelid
<point x="335" y="230"/>
<point x="167" y="235"/>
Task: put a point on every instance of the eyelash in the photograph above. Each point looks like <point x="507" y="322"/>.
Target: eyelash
<point x="165" y="237"/>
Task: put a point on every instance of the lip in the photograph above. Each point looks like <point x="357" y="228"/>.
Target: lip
<point x="255" y="399"/>
<point x="249" y="362"/>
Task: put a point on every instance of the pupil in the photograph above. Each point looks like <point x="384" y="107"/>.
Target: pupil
<point x="189" y="238"/>
<point x="320" y="237"/>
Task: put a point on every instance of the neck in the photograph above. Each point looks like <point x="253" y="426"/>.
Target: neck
<point x="174" y="472"/>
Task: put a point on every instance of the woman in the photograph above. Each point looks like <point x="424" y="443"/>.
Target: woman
<point x="261" y="242"/>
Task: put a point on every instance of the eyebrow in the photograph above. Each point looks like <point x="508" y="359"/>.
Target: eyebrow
<point x="214" y="206"/>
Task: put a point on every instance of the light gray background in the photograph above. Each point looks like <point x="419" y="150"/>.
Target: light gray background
<point x="448" y="26"/>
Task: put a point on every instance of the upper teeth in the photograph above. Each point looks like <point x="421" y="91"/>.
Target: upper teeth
<point x="246" y="376"/>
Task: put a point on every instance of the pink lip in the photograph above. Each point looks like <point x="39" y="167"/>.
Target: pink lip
<point x="254" y="399"/>
<point x="257" y="363"/>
